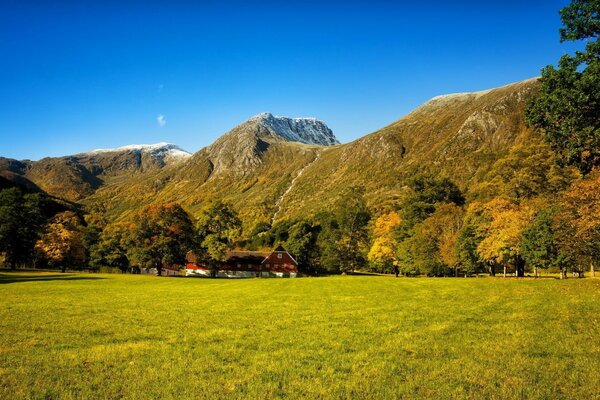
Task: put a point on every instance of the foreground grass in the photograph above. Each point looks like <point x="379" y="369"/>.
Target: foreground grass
<point x="135" y="337"/>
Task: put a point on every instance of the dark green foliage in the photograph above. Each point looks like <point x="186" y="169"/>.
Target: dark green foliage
<point x="302" y="244"/>
<point x="352" y="219"/>
<point x="218" y="227"/>
<point x="540" y="248"/>
<point x="568" y="105"/>
<point x="427" y="193"/>
<point x="161" y="236"/>
<point x="327" y="243"/>
<point x="466" y="250"/>
<point x="110" y="250"/>
<point x="21" y="223"/>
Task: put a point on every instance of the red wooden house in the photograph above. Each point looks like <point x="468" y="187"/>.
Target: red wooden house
<point x="246" y="264"/>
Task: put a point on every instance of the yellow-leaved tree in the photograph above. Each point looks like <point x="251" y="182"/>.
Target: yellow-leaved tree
<point x="382" y="254"/>
<point x="503" y="235"/>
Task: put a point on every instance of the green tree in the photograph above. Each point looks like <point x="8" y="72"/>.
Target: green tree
<point x="218" y="228"/>
<point x="540" y="248"/>
<point x="353" y="217"/>
<point x="161" y="236"/>
<point x="567" y="107"/>
<point x="111" y="249"/>
<point x="466" y="250"/>
<point x="302" y="244"/>
<point x="21" y="223"/>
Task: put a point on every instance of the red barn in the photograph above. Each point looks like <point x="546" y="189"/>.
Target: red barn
<point x="247" y="264"/>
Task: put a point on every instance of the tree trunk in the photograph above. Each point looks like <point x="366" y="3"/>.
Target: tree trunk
<point x="535" y="272"/>
<point x="519" y="267"/>
<point x="492" y="270"/>
<point x="505" y="271"/>
<point x="592" y="272"/>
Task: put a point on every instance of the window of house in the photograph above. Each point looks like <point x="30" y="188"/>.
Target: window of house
<point x="279" y="255"/>
<point x="267" y="265"/>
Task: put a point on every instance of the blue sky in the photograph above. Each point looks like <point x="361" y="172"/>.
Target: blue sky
<point x="79" y="75"/>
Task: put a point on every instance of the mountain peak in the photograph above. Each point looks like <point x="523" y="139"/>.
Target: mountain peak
<point x="303" y="130"/>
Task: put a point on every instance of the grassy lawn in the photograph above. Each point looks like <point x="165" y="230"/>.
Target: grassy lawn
<point x="122" y="336"/>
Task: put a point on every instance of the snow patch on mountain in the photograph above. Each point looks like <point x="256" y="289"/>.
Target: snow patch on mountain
<point x="303" y="130"/>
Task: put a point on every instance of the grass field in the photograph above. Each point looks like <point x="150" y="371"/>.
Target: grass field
<point x="121" y="336"/>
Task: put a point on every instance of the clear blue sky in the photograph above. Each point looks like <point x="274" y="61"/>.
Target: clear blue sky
<point x="79" y="75"/>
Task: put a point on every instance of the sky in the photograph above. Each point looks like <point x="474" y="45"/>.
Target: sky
<point x="81" y="75"/>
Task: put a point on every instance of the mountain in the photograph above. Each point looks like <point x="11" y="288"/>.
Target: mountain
<point x="277" y="168"/>
<point x="77" y="176"/>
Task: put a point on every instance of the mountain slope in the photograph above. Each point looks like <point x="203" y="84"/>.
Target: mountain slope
<point x="264" y="175"/>
<point x="77" y="176"/>
<point x="252" y="166"/>
<point x="459" y="136"/>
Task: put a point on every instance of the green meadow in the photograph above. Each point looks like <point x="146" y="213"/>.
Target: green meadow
<point x="83" y="336"/>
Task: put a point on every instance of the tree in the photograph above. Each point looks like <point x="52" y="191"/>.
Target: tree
<point x="353" y="217"/>
<point x="540" y="247"/>
<point x="382" y="254"/>
<point x="161" y="235"/>
<point x="218" y="228"/>
<point x="567" y="107"/>
<point x="21" y="223"/>
<point x="433" y="241"/>
<point x="502" y="243"/>
<point x="579" y="222"/>
<point x="302" y="244"/>
<point x="62" y="244"/>
<point x="111" y="248"/>
<point x="427" y="193"/>
<point x="466" y="252"/>
<point x="526" y="172"/>
<point x="474" y="230"/>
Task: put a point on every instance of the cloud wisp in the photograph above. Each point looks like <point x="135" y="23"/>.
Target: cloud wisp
<point x="161" y="120"/>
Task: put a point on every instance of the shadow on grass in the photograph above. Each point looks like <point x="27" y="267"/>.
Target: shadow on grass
<point x="9" y="277"/>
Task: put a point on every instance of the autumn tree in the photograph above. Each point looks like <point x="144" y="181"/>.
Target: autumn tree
<point x="218" y="227"/>
<point x="161" y="235"/>
<point x="417" y="249"/>
<point x="579" y="220"/>
<point x="21" y="223"/>
<point x="434" y="240"/>
<point x="62" y="244"/>
<point x="474" y="230"/>
<point x="567" y="107"/>
<point x="382" y="254"/>
<point x="502" y="242"/>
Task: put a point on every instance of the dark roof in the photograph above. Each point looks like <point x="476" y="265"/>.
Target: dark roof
<point x="246" y="257"/>
<point x="280" y="248"/>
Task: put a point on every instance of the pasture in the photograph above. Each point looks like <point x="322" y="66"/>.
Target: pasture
<point x="83" y="336"/>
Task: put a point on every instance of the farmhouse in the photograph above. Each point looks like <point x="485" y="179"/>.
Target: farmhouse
<point x="246" y="264"/>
